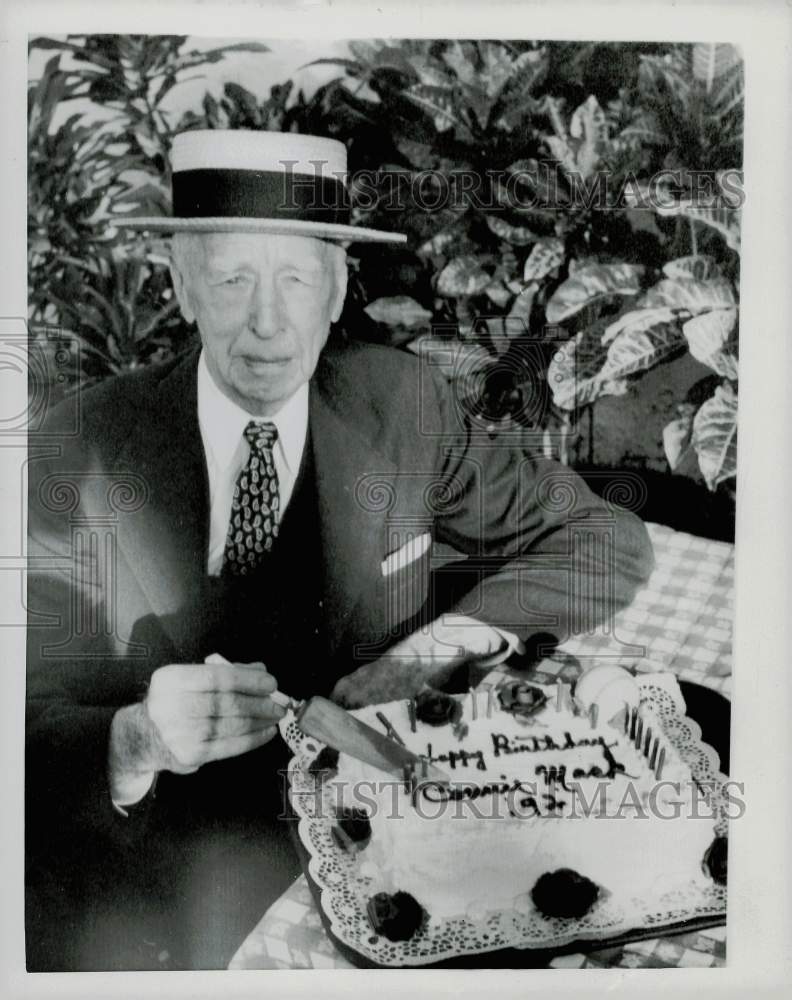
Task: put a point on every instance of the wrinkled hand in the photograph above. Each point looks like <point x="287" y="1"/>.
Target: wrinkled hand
<point x="196" y="713"/>
<point x="422" y="658"/>
<point x="210" y="711"/>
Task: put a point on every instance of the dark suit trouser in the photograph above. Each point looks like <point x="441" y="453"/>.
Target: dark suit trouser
<point x="183" y="894"/>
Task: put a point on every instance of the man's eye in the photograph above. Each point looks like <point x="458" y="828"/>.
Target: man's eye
<point x="234" y="279"/>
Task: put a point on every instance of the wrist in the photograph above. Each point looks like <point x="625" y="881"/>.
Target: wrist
<point x="132" y="751"/>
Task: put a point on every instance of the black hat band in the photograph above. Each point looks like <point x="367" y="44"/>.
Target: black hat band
<point x="259" y="194"/>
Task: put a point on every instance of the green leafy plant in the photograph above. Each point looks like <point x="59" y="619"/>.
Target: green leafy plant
<point x="519" y="172"/>
<point x="692" y="307"/>
<point x="552" y="242"/>
<point x="101" y="287"/>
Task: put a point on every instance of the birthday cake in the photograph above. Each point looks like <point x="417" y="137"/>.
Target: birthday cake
<point x="560" y="800"/>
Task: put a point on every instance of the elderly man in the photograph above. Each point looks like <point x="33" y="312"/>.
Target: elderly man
<point x="259" y="514"/>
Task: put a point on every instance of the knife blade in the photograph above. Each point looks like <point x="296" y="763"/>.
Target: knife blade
<point x="333" y="725"/>
<point x="323" y="720"/>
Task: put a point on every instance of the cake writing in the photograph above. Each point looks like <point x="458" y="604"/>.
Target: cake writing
<point x="523" y="799"/>
<point x="558" y="773"/>
<point x="536" y="744"/>
<point x="461" y="758"/>
<point x="502" y="744"/>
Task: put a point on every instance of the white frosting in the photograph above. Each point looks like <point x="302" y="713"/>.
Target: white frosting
<point x="471" y="851"/>
<point x="610" y="687"/>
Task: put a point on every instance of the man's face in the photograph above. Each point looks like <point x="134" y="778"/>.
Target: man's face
<point x="263" y="304"/>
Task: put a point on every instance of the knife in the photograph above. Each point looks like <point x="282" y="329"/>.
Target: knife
<point x="324" y="720"/>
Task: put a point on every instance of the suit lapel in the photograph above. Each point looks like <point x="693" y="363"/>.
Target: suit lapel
<point x="166" y="542"/>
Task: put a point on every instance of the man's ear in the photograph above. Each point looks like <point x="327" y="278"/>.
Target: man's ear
<point x="341" y="276"/>
<point x="180" y="288"/>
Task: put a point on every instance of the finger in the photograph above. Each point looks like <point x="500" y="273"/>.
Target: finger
<point x="346" y="695"/>
<point x="223" y="729"/>
<point x="337" y="694"/>
<point x="233" y="746"/>
<point x="224" y="704"/>
<point x="242" y="678"/>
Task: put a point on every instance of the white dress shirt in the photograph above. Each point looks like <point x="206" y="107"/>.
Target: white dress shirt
<point x="222" y="424"/>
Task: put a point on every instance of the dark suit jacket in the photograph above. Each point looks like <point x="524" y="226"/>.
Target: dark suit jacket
<point x="118" y="538"/>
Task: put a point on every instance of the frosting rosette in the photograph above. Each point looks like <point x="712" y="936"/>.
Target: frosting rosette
<point x="397" y="915"/>
<point x="564" y="893"/>
<point x="715" y="861"/>
<point x="521" y="698"/>
<point x="436" y="708"/>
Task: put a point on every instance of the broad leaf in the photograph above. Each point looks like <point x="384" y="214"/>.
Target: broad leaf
<point x="498" y="67"/>
<point x="518" y="236"/>
<point x="698" y="266"/>
<point x="636" y="350"/>
<point x="720" y="217"/>
<point x="562" y="150"/>
<point x="442" y="240"/>
<point x="521" y="307"/>
<point x="713" y="61"/>
<point x="590" y="285"/>
<point x="259" y="47"/>
<point x="715" y="436"/>
<point x="461" y="58"/>
<point x="400" y="310"/>
<point x="437" y="103"/>
<point x="637" y="321"/>
<point x="498" y="293"/>
<point x="462" y="276"/>
<point x="420" y="155"/>
<point x="729" y="91"/>
<point x="689" y="294"/>
<point x="574" y="373"/>
<point x="677" y="436"/>
<point x="709" y="337"/>
<point x="544" y="258"/>
<point x="380" y="54"/>
<point x="589" y="127"/>
<point x="528" y="69"/>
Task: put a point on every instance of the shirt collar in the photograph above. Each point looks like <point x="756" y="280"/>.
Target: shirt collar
<point x="222" y="422"/>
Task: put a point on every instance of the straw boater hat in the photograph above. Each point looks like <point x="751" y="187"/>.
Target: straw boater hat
<point x="260" y="182"/>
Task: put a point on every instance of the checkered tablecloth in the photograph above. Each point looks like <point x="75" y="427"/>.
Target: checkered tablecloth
<point x="681" y="622"/>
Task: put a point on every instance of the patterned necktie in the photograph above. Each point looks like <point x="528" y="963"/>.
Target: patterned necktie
<point x="253" y="527"/>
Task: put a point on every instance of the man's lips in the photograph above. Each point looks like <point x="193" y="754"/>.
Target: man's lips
<point x="252" y="362"/>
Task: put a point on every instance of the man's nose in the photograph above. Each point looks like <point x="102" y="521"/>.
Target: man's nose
<point x="265" y="309"/>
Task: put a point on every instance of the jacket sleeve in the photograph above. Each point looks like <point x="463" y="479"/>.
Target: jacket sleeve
<point x="76" y="677"/>
<point x="544" y="553"/>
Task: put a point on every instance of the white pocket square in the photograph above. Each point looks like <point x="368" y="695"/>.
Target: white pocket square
<point x="408" y="553"/>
